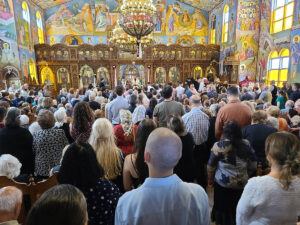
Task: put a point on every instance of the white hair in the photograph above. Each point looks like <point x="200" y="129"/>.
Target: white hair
<point x="60" y="116"/>
<point x="9" y="166"/>
<point x="92" y="96"/>
<point x="68" y="106"/>
<point x="34" y="127"/>
<point x="24" y="120"/>
<point x="9" y="198"/>
<point x="273" y="122"/>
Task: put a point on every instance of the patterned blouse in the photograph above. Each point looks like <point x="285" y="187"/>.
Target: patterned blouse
<point x="47" y="146"/>
<point x="231" y="167"/>
<point x="124" y="143"/>
<point x="101" y="202"/>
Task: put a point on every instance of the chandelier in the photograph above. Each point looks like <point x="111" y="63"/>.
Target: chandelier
<point x="138" y="19"/>
<point x="127" y="43"/>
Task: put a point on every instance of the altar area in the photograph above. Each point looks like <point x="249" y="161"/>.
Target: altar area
<point x="67" y="66"/>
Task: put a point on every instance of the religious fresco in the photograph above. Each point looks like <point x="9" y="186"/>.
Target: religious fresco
<point x="9" y="53"/>
<point x="47" y="77"/>
<point x="295" y="56"/>
<point x="207" y="5"/>
<point x="247" y="36"/>
<point x="160" y="75"/>
<point x="63" y="78"/>
<point x="99" y="17"/>
<point x="174" y="75"/>
<point x="87" y="76"/>
<point x="198" y="72"/>
<point x="102" y="72"/>
<point x="44" y="4"/>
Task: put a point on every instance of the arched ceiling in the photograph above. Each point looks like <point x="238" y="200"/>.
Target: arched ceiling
<point x="206" y="5"/>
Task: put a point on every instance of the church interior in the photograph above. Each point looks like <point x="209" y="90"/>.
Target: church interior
<point x="72" y="43"/>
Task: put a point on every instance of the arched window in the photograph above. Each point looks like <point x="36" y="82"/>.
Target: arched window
<point x="278" y="66"/>
<point x="225" y="24"/>
<point x="213" y="30"/>
<point x="26" y="20"/>
<point x="282" y="15"/>
<point x="40" y="27"/>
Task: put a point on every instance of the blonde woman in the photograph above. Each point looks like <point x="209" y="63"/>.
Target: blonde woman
<point x="108" y="154"/>
<point x="274" y="199"/>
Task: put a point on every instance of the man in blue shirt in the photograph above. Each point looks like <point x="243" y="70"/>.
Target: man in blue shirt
<point x="296" y="92"/>
<point x="163" y="198"/>
<point x="115" y="106"/>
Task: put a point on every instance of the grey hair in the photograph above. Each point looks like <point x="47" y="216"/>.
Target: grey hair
<point x="34" y="127"/>
<point x="9" y="198"/>
<point x="214" y="108"/>
<point x="68" y="106"/>
<point x="60" y="115"/>
<point x="9" y="166"/>
<point x="40" y="100"/>
<point x="92" y="96"/>
<point x="273" y="122"/>
<point x="13" y="117"/>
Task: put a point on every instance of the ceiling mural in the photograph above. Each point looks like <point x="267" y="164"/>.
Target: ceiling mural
<point x="206" y="5"/>
<point x="44" y="4"/>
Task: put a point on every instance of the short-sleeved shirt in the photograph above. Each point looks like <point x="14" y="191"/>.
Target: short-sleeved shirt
<point x="282" y="101"/>
<point x="166" y="108"/>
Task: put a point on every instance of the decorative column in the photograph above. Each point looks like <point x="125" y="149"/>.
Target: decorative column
<point x="149" y="71"/>
<point x="115" y="75"/>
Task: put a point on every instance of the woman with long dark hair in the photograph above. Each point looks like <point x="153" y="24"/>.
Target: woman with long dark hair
<point x="83" y="118"/>
<point x="80" y="168"/>
<point x="135" y="169"/>
<point x="150" y="109"/>
<point x="230" y="161"/>
<point x="185" y="167"/>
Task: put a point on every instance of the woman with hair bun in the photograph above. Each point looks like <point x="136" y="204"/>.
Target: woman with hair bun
<point x="274" y="198"/>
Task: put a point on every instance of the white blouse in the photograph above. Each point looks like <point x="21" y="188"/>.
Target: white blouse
<point x="265" y="202"/>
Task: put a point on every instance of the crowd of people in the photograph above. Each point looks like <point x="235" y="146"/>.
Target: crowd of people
<point x="148" y="155"/>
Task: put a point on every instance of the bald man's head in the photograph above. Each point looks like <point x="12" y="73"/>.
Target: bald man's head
<point x="164" y="148"/>
<point x="10" y="203"/>
<point x="195" y="100"/>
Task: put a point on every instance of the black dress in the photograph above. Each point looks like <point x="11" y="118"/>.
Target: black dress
<point x="17" y="142"/>
<point x="66" y="128"/>
<point x="185" y="167"/>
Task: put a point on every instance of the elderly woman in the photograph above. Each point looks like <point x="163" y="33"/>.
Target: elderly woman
<point x="274" y="198"/>
<point x="61" y="123"/>
<point x="48" y="144"/>
<point x="17" y="141"/>
<point x="83" y="118"/>
<point x="274" y="111"/>
<point x="47" y="104"/>
<point x="99" y="98"/>
<point x="92" y="103"/>
<point x="9" y="166"/>
<point x="125" y="132"/>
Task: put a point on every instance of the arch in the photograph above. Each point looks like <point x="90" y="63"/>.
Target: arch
<point x="26" y="20"/>
<point x="225" y="27"/>
<point x="278" y="66"/>
<point x="198" y="72"/>
<point x="174" y="75"/>
<point x="32" y="71"/>
<point x="160" y="75"/>
<point x="71" y="40"/>
<point x="87" y="76"/>
<point x="11" y="76"/>
<point x="40" y="27"/>
<point x="102" y="72"/>
<point x="47" y="77"/>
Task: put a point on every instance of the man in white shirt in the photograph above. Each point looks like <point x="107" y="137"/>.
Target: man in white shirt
<point x="179" y="90"/>
<point x="163" y="198"/>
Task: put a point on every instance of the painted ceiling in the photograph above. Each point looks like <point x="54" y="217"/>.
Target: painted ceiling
<point x="44" y="4"/>
<point x="206" y="5"/>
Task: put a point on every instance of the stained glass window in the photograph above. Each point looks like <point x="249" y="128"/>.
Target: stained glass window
<point x="225" y="24"/>
<point x="40" y="27"/>
<point x="282" y="15"/>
